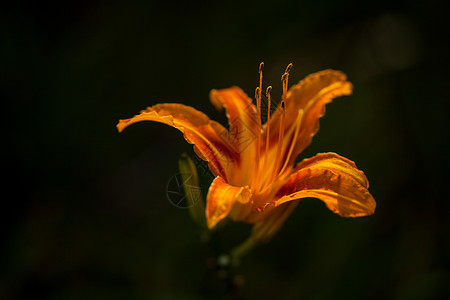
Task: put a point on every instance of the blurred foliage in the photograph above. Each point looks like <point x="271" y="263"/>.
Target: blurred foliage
<point x="85" y="213"/>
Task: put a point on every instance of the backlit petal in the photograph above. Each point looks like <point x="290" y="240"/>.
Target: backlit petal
<point x="210" y="139"/>
<point x="244" y="128"/>
<point x="310" y="95"/>
<point x="337" y="163"/>
<point x="224" y="199"/>
<point x="333" y="179"/>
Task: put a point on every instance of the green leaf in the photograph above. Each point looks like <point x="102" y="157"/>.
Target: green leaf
<point x="192" y="190"/>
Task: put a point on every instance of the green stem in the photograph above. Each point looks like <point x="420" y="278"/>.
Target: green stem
<point x="243" y="249"/>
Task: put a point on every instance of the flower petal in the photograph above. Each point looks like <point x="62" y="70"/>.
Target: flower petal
<point x="337" y="163"/>
<point x="333" y="179"/>
<point x="210" y="139"/>
<point x="244" y="128"/>
<point x="224" y="199"/>
<point x="310" y="95"/>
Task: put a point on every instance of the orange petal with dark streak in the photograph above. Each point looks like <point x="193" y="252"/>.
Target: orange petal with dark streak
<point x="310" y="95"/>
<point x="333" y="179"/>
<point x="244" y="128"/>
<point x="210" y="139"/>
<point x="224" y="199"/>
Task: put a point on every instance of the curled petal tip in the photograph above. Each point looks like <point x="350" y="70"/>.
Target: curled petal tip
<point x="122" y="125"/>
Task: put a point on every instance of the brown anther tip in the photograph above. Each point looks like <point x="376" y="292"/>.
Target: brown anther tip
<point x="257" y="92"/>
<point x="261" y="66"/>
<point x="288" y="68"/>
<point x="268" y="90"/>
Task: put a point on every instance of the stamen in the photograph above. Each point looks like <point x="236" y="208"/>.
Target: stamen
<point x="258" y="99"/>
<point x="268" y="90"/>
<point x="279" y="144"/>
<point x="257" y="93"/>
<point x="258" y="112"/>
<point x="261" y="66"/>
<point x="284" y="81"/>
<point x="288" y="68"/>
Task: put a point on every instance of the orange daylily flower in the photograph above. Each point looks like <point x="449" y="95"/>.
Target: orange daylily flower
<point x="256" y="180"/>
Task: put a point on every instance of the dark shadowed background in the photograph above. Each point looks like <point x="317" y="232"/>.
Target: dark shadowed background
<point x="84" y="209"/>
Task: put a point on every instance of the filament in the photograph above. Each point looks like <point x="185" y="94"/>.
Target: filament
<point x="269" y="89"/>
<point x="294" y="139"/>
<point x="266" y="153"/>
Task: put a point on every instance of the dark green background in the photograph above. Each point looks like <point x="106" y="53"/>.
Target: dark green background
<point x="84" y="209"/>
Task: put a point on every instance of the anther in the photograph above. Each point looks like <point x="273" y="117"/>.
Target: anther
<point x="257" y="92"/>
<point x="288" y="68"/>
<point x="268" y="90"/>
<point x="284" y="81"/>
<point x="261" y="66"/>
